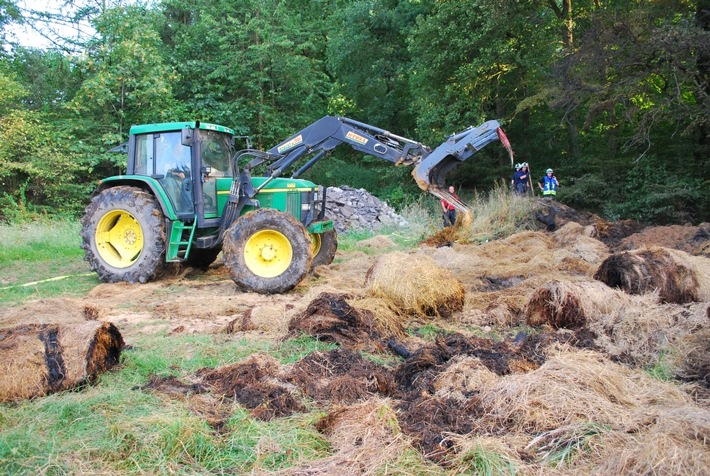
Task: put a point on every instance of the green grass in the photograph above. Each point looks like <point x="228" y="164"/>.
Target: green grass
<point x="113" y="426"/>
<point x="662" y="368"/>
<point x="37" y="252"/>
<point x="482" y="461"/>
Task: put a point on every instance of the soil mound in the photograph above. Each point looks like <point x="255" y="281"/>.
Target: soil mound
<point x="39" y="359"/>
<point x="330" y="318"/>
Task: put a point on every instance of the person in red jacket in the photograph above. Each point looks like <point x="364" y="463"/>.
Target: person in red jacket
<point x="449" y="214"/>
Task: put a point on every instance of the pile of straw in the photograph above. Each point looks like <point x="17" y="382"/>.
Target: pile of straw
<point x="572" y="387"/>
<point x="464" y="376"/>
<point x="416" y="285"/>
<point x="39" y="359"/>
<point x="568" y="305"/>
<point x="677" y="276"/>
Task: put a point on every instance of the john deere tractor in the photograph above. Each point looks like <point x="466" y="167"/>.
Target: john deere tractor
<point x="184" y="199"/>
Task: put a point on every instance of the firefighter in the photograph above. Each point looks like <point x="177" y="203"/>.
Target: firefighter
<point x="512" y="179"/>
<point x="522" y="178"/>
<point x="548" y="184"/>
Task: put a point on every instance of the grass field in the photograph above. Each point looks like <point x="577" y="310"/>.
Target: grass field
<point x="482" y="392"/>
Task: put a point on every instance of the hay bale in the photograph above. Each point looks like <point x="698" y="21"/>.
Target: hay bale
<point x="415" y="284"/>
<point x="677" y="276"/>
<point x="566" y="305"/>
<point x="572" y="387"/>
<point x="39" y="359"/>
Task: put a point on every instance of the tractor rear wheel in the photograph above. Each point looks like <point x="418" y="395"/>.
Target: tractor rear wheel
<point x="267" y="251"/>
<point x="123" y="235"/>
<point x="324" y="246"/>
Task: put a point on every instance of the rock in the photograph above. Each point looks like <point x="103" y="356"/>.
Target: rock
<point x="352" y="208"/>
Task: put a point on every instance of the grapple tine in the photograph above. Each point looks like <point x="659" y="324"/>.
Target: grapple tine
<point x="430" y="172"/>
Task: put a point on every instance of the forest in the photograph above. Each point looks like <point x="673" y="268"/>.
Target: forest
<point x="613" y="95"/>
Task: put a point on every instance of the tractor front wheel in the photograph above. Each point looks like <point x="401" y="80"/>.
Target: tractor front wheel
<point x="267" y="251"/>
<point x="123" y="235"/>
<point x="324" y="246"/>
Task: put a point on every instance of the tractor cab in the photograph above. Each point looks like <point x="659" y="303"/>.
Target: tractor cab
<point x="190" y="161"/>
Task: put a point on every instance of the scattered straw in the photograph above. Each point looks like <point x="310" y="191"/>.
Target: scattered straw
<point x="572" y="387"/>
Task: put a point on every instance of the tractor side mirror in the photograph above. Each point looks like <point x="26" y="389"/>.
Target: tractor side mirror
<point x="187" y="136"/>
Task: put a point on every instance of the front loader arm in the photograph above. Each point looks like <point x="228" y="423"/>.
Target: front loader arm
<point x="329" y="132"/>
<point x="323" y="136"/>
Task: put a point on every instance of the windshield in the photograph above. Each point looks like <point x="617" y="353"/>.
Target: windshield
<point x="215" y="148"/>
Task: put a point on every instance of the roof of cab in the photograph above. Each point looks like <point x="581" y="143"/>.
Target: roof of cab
<point x="176" y="126"/>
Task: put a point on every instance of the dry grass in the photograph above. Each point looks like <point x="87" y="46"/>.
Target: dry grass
<point x="462" y="377"/>
<point x="389" y="321"/>
<point x="691" y="356"/>
<point x="572" y="387"/>
<point x="366" y="440"/>
<point x="674" y="443"/>
<point x="415" y="284"/>
<point x="639" y="331"/>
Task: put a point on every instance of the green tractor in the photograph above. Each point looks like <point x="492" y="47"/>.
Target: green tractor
<point x="187" y="195"/>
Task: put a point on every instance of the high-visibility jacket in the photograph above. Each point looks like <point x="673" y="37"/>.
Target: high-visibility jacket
<point x="549" y="185"/>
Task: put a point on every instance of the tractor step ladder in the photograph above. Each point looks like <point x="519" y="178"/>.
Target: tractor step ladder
<point x="176" y="245"/>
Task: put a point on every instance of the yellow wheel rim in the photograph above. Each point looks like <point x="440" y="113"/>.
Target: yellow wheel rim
<point x="268" y="253"/>
<point x="316" y="243"/>
<point x="119" y="238"/>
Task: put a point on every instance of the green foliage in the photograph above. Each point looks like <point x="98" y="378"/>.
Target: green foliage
<point x="605" y="94"/>
<point x="127" y="81"/>
<point x="37" y="172"/>
<point x="367" y="52"/>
